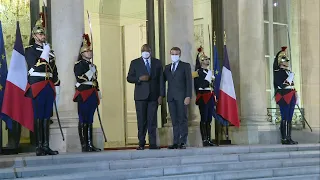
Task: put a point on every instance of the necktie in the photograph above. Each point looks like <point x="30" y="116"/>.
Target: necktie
<point x="148" y="67"/>
<point x="173" y="67"/>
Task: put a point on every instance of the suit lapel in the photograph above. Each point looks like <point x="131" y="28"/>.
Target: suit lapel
<point x="153" y="66"/>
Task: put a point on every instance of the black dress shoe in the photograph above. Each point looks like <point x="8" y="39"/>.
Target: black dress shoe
<point x="154" y="147"/>
<point x="140" y="148"/>
<point x="182" y="146"/>
<point x="174" y="146"/>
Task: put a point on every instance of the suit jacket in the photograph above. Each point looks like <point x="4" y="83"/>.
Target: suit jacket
<point x="146" y="90"/>
<point x="180" y="82"/>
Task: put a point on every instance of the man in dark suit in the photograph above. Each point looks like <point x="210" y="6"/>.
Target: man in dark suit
<point x="179" y="77"/>
<point x="146" y="73"/>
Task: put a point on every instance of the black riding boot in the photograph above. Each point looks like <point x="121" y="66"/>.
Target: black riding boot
<point x="89" y="140"/>
<point x="203" y="132"/>
<point x="46" y="134"/>
<point x="283" y="131"/>
<point x="286" y="132"/>
<point x="208" y="129"/>
<point x="83" y="136"/>
<point x="38" y="132"/>
<point x="289" y="134"/>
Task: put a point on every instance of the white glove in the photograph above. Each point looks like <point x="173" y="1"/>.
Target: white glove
<point x="92" y="68"/>
<point x="89" y="74"/>
<point x="45" y="52"/>
<point x="100" y="94"/>
<point x="209" y="76"/>
<point x="290" y="77"/>
<point x="297" y="99"/>
<point x="213" y="77"/>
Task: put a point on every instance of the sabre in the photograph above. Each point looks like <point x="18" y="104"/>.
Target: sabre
<point x="91" y="37"/>
<point x="289" y="43"/>
<point x="55" y="106"/>
<point x="90" y="34"/>
<point x="104" y="135"/>
<point x="304" y="119"/>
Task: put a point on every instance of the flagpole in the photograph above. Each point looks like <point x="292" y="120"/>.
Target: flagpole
<point x="225" y="43"/>
<point x="217" y="125"/>
<point x="210" y="44"/>
<point x="214" y="44"/>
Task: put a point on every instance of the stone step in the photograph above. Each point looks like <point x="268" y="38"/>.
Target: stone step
<point x="167" y="168"/>
<point x="305" y="177"/>
<point x="244" y="153"/>
<point x="158" y="173"/>
<point x="274" y="173"/>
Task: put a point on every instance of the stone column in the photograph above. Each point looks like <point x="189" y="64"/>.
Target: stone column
<point x="309" y="39"/>
<point x="249" y="72"/>
<point x="179" y="32"/>
<point x="67" y="29"/>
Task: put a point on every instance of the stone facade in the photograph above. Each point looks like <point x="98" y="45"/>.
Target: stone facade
<point x="245" y="39"/>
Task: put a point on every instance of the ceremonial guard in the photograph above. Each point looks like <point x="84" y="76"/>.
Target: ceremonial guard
<point x="203" y="84"/>
<point x="43" y="86"/>
<point x="87" y="94"/>
<point x="285" y="94"/>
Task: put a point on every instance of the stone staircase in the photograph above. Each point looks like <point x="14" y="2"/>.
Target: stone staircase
<point x="270" y="162"/>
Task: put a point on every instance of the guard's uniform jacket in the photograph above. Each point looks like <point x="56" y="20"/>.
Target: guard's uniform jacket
<point x="40" y="72"/>
<point x="85" y="86"/>
<point x="203" y="88"/>
<point x="285" y="91"/>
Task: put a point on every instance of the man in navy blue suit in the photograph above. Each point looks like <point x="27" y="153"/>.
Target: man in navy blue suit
<point x="146" y="73"/>
<point x="179" y="77"/>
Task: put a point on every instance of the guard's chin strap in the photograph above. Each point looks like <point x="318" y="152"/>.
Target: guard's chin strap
<point x="36" y="38"/>
<point x="85" y="57"/>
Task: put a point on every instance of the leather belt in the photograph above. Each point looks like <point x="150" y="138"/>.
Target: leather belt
<point x="90" y="83"/>
<point x="41" y="74"/>
<point x="204" y="89"/>
<point x="288" y="87"/>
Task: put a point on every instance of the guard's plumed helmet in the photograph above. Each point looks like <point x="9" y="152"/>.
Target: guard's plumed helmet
<point x="282" y="55"/>
<point x="39" y="27"/>
<point x="203" y="57"/>
<point x="86" y="44"/>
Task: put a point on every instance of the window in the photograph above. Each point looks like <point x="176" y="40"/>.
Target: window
<point x="281" y="28"/>
<point x="276" y="36"/>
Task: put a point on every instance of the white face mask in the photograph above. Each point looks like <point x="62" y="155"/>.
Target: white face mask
<point x="145" y="55"/>
<point x="175" y="58"/>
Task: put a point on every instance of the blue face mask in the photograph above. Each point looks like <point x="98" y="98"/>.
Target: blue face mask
<point x="175" y="58"/>
<point x="145" y="54"/>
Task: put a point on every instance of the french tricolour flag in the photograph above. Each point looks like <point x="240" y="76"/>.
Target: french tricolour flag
<point x="227" y="105"/>
<point x="15" y="104"/>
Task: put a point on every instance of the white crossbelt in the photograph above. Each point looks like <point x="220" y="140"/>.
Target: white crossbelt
<point x="39" y="49"/>
<point x="288" y="87"/>
<point x="84" y="83"/>
<point x="205" y="89"/>
<point x="40" y="74"/>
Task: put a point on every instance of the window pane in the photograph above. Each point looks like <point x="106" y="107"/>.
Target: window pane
<point x="280" y="11"/>
<point x="280" y="37"/>
<point x="265" y="10"/>
<point x="266" y="39"/>
<point x="268" y="82"/>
